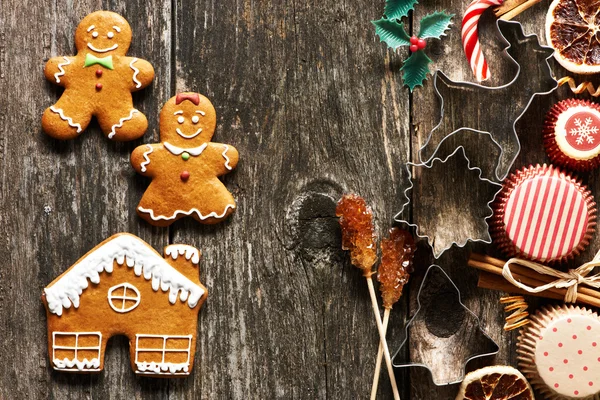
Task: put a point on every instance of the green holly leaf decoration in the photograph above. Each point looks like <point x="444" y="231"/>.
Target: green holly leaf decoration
<point x="391" y="32"/>
<point x="435" y="25"/>
<point x="415" y="69"/>
<point x="397" y="9"/>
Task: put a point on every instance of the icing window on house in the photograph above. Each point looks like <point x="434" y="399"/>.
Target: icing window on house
<point x="124" y="297"/>
<point x="76" y="351"/>
<point x="163" y="354"/>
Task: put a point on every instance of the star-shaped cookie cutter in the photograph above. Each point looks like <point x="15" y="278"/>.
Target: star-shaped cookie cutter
<point x="498" y="114"/>
<point x="486" y="346"/>
<point x="452" y="223"/>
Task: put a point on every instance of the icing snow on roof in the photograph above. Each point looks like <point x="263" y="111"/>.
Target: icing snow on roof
<point x="123" y="249"/>
<point x="176" y="250"/>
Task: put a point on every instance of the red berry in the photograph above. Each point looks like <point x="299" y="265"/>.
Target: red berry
<point x="98" y="73"/>
<point x="421" y="44"/>
<point x="98" y="86"/>
<point x="414" y="40"/>
<point x="413" y="48"/>
<point x="185" y="175"/>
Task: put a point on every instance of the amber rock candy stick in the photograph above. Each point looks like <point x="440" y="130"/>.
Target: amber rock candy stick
<point x="358" y="236"/>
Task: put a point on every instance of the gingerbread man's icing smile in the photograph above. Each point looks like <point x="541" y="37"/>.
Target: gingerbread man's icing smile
<point x="98" y="82"/>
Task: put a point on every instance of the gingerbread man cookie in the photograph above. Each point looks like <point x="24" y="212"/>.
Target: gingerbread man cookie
<point x="98" y="82"/>
<point x="186" y="165"/>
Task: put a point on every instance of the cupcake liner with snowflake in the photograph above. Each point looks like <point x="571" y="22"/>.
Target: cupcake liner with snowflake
<point x="390" y="30"/>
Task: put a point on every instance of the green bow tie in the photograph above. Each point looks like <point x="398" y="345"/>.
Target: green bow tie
<point x="91" y="59"/>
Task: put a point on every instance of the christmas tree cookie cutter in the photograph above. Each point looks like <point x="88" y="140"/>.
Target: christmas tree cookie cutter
<point x="450" y="227"/>
<point x="445" y="321"/>
<point x="499" y="107"/>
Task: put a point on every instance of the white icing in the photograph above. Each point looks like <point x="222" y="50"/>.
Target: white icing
<point x="183" y="135"/>
<point x="201" y="113"/>
<point x="145" y="155"/>
<point x="69" y="120"/>
<point x="116" y="28"/>
<point x="180" y="119"/>
<point x="561" y="133"/>
<point x="72" y="365"/>
<point x="91" y="27"/>
<point x="226" y="158"/>
<point x="89" y="45"/>
<point x="120" y="124"/>
<point x="136" y="71"/>
<point x="75" y="364"/>
<point x="95" y="34"/>
<point x="124" y="249"/>
<point x="190" y="252"/>
<point x="162" y="367"/>
<point x="60" y="68"/>
<point x="190" y="212"/>
<point x="178" y="112"/>
<point x="195" y="119"/>
<point x="194" y="151"/>
<point x="120" y="305"/>
<point x="110" y="35"/>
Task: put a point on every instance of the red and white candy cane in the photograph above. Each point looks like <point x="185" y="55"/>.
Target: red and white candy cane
<point x="470" y="37"/>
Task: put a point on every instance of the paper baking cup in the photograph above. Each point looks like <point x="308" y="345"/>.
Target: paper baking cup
<point x="559" y="352"/>
<point x="572" y="135"/>
<point x="543" y="214"/>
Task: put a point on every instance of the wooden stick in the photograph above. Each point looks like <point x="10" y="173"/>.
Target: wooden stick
<point x="386" y="319"/>
<point x="506" y="6"/>
<point x="386" y="351"/>
<point x="531" y="278"/>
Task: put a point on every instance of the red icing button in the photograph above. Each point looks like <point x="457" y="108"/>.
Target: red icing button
<point x="98" y="86"/>
<point x="185" y="175"/>
<point x="98" y="73"/>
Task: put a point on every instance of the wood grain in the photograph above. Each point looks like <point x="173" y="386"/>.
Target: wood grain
<point x="316" y="107"/>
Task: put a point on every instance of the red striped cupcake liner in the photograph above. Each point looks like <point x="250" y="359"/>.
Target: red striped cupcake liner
<point x="543" y="214"/>
<point x="572" y="135"/>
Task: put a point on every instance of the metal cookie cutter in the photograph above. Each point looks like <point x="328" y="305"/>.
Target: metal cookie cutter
<point x="496" y="109"/>
<point x="453" y="219"/>
<point x="440" y="320"/>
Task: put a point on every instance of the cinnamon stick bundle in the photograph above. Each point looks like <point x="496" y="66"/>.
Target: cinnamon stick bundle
<point x="494" y="266"/>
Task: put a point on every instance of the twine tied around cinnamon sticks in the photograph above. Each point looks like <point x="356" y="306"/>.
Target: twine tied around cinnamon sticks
<point x="569" y="280"/>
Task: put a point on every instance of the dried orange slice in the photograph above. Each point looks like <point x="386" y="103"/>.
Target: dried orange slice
<point x="499" y="382"/>
<point x="573" y="30"/>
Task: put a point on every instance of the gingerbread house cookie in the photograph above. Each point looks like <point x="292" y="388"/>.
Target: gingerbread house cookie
<point x="98" y="82"/>
<point x="185" y="167"/>
<point x="124" y="287"/>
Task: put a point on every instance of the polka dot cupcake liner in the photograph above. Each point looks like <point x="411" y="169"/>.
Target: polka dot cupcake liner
<point x="559" y="352"/>
<point x="543" y="214"/>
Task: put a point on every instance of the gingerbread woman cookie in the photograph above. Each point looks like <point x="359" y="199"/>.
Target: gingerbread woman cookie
<point x="98" y="82"/>
<point x="186" y="165"/>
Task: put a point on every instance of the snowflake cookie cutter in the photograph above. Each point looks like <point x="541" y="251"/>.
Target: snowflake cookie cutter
<point x="498" y="117"/>
<point x="453" y="228"/>
<point x="453" y="314"/>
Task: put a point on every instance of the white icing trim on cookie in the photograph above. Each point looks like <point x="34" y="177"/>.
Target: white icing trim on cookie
<point x="120" y="124"/>
<point x="60" y="68"/>
<point x="190" y="212"/>
<point x="145" y="155"/>
<point x="165" y="368"/>
<point x="69" y="120"/>
<point x="183" y="135"/>
<point x="124" y="249"/>
<point x="67" y="365"/>
<point x="136" y="71"/>
<point x="194" y="151"/>
<point x="111" y="48"/>
<point x="175" y="250"/>
<point x="226" y="158"/>
<point x="162" y="368"/>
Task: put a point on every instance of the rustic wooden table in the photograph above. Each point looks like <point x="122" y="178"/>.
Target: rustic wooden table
<point x="316" y="107"/>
